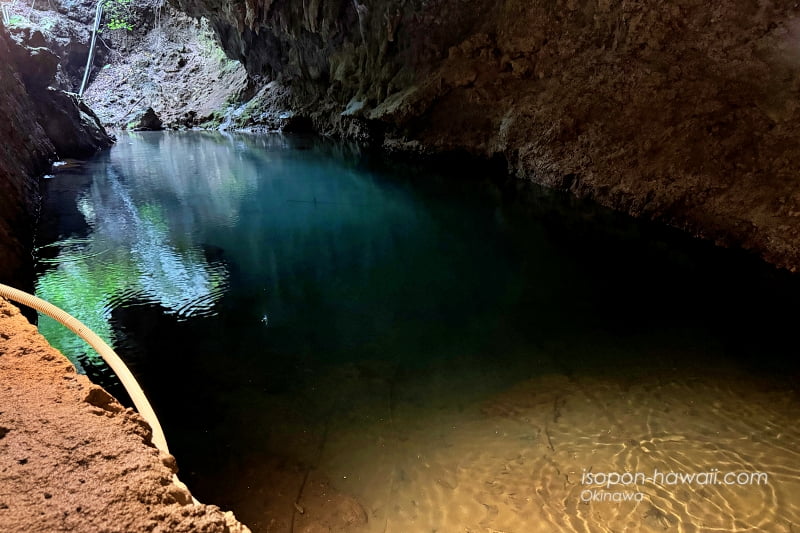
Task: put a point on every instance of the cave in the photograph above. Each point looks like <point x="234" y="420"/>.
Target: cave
<point x="399" y="266"/>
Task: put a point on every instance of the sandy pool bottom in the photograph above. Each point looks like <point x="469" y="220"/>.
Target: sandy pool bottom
<point x="451" y="452"/>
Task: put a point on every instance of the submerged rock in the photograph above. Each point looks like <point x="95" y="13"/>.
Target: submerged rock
<point x="146" y="120"/>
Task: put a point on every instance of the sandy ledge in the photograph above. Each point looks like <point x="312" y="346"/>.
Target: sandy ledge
<point x="73" y="459"/>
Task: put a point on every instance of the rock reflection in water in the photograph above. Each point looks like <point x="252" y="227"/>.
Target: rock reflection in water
<point x="137" y="249"/>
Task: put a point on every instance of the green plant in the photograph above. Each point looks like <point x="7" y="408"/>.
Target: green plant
<point x="213" y="121"/>
<point x="18" y="20"/>
<point x="120" y="14"/>
<point x="119" y="24"/>
<point x="44" y="23"/>
<point x="209" y="45"/>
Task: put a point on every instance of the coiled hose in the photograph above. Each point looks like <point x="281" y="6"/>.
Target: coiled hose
<point x="103" y="349"/>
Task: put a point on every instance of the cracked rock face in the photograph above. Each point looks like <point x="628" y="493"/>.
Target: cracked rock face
<point x="37" y="125"/>
<point x="684" y="112"/>
<point x="25" y="151"/>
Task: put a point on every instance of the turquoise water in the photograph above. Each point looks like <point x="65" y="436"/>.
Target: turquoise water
<point x="276" y="295"/>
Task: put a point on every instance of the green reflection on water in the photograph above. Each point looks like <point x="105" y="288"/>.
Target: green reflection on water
<point x="128" y="255"/>
<point x="83" y="292"/>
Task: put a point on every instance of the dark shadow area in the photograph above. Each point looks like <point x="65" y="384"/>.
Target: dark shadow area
<point x="293" y="299"/>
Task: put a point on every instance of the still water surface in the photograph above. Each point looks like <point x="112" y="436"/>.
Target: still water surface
<point x="336" y="340"/>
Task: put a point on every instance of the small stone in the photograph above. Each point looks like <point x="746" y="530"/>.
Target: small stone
<point x="98" y="397"/>
<point x="169" y="461"/>
<point x="179" y="495"/>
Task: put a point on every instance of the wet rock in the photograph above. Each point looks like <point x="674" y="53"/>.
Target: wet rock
<point x="65" y="36"/>
<point x="636" y="105"/>
<point x="82" y="10"/>
<point x="297" y="124"/>
<point x="37" y="66"/>
<point x="37" y="125"/>
<point x="71" y="125"/>
<point x="73" y="128"/>
<point x="25" y="151"/>
<point x="176" y="72"/>
<point x="146" y="120"/>
<point x="36" y="39"/>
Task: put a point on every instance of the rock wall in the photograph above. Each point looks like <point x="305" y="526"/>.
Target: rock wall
<point x="38" y="124"/>
<point x="174" y="67"/>
<point x="46" y="25"/>
<point x="24" y="152"/>
<point x="165" y="61"/>
<point x="686" y="112"/>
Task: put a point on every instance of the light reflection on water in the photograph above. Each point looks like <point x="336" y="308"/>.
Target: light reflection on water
<point x="136" y="249"/>
<point x="317" y="325"/>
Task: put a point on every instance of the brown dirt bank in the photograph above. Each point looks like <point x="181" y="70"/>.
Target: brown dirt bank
<point x="73" y="459"/>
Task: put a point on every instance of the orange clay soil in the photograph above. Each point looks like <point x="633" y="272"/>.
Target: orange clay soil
<point x="73" y="459"/>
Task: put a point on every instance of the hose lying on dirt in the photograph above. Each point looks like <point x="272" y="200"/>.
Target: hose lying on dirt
<point x="103" y="349"/>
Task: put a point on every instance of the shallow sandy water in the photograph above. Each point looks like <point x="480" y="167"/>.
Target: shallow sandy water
<point x="513" y="461"/>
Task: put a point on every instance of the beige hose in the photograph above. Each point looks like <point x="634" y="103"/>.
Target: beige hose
<point x="103" y="349"/>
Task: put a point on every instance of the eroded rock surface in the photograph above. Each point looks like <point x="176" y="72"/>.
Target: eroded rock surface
<point x="171" y="64"/>
<point x="38" y="124"/>
<point x="685" y="112"/>
<point x="73" y="459"/>
<point x="24" y="152"/>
